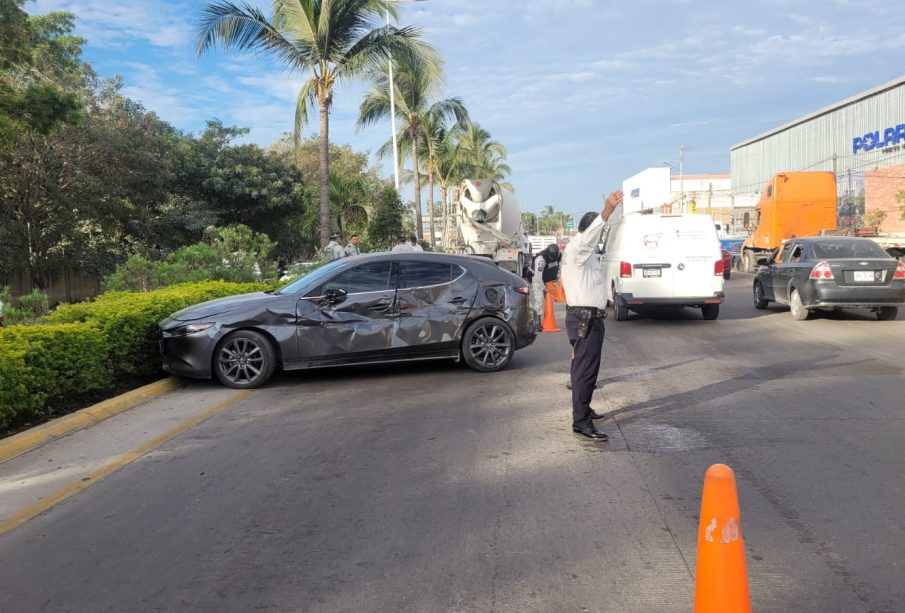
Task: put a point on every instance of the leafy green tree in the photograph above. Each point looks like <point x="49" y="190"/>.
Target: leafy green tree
<point x="331" y="41"/>
<point x="482" y="157"/>
<point x="416" y="83"/>
<point x="348" y="197"/>
<point x="38" y="60"/>
<point x="386" y="220"/>
<point x="529" y="222"/>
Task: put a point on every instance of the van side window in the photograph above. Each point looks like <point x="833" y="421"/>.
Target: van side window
<point x="769" y="191"/>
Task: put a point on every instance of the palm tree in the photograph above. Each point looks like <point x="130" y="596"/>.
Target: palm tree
<point x="348" y="197"/>
<point x="482" y="157"/>
<point x="416" y="82"/>
<point x="329" y="40"/>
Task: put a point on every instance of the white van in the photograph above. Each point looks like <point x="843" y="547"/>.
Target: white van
<point x="663" y="260"/>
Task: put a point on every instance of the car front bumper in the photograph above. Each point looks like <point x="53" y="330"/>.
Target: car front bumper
<point x="188" y="355"/>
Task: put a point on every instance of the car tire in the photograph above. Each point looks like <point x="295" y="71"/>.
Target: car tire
<point x="710" y="311"/>
<point x="620" y="310"/>
<point x="244" y="360"/>
<point x="799" y="313"/>
<point x="760" y="302"/>
<point x="488" y="345"/>
<point x="887" y="313"/>
<point x="727" y="273"/>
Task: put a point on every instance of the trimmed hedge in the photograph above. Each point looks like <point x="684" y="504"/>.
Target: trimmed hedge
<point x="129" y="320"/>
<point x="43" y="369"/>
<point x="89" y="347"/>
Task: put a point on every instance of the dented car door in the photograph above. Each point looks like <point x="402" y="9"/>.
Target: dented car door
<point x="432" y="305"/>
<point x="349" y="318"/>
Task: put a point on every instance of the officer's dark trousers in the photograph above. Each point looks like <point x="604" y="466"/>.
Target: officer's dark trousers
<point x="585" y="367"/>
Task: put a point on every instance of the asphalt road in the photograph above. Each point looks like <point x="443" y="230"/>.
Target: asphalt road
<point x="433" y="488"/>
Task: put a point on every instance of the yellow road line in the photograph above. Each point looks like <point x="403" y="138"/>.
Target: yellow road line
<point x="62" y="494"/>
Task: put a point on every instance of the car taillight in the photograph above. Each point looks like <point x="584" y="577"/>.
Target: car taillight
<point x="523" y="290"/>
<point x="900" y="270"/>
<point x="821" y="271"/>
<point x="625" y="270"/>
<point x="718" y="268"/>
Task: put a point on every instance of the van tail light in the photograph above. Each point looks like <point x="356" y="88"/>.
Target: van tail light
<point x="625" y="270"/>
<point x="900" y="270"/>
<point x="821" y="271"/>
<point x="525" y="290"/>
<point x="718" y="268"/>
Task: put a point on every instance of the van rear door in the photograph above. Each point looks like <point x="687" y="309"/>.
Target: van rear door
<point x="653" y="268"/>
<point x="695" y="253"/>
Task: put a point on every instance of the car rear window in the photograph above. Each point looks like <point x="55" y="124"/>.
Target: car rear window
<point x="423" y="274"/>
<point x="848" y="249"/>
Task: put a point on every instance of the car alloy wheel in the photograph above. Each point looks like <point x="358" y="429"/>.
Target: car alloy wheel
<point x="244" y="360"/>
<point x="799" y="313"/>
<point x="488" y="345"/>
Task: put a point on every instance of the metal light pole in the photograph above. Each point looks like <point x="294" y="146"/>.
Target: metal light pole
<point x="393" y="120"/>
<point x="682" y="175"/>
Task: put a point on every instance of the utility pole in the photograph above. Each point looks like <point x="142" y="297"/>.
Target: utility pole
<point x="682" y="176"/>
<point x="393" y="124"/>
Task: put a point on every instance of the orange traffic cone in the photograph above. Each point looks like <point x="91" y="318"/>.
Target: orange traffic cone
<point x="549" y="321"/>
<point x="555" y="287"/>
<point x="721" y="581"/>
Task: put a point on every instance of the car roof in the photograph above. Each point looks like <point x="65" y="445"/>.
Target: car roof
<point x="475" y="263"/>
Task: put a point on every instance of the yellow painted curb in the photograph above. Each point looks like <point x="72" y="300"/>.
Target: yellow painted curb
<point x="40" y="435"/>
<point x="62" y="494"/>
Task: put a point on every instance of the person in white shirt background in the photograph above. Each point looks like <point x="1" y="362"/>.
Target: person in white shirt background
<point x="352" y="247"/>
<point x="402" y="244"/>
<point x="583" y="284"/>
<point x="415" y="245"/>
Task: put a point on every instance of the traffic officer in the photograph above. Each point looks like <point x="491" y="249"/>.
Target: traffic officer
<point x="546" y="269"/>
<point x="582" y="280"/>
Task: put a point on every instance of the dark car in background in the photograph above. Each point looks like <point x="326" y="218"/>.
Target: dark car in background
<point x="829" y="273"/>
<point x="386" y="307"/>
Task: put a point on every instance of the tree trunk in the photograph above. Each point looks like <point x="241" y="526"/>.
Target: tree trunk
<point x="325" y="173"/>
<point x="445" y="208"/>
<point x="430" y="206"/>
<point x="419" y="227"/>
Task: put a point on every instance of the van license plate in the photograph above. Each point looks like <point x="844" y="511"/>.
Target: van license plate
<point x="864" y="276"/>
<point x="652" y="272"/>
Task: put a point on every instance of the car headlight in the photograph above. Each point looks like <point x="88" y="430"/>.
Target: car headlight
<point x="187" y="329"/>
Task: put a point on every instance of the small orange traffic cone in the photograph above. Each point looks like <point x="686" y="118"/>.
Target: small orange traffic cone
<point x="549" y="321"/>
<point x="555" y="287"/>
<point x="721" y="581"/>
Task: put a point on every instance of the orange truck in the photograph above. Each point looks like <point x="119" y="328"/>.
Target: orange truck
<point x="793" y="204"/>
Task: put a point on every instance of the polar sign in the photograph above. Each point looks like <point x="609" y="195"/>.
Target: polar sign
<point x="873" y="140"/>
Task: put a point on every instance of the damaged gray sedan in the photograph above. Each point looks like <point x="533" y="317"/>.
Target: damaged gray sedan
<point x="386" y="307"/>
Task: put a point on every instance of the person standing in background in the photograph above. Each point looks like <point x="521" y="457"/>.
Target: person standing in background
<point x="352" y="247"/>
<point x="334" y="249"/>
<point x="415" y="245"/>
<point x="546" y="269"/>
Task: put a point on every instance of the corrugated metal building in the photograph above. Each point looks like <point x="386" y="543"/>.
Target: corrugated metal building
<point x="861" y="138"/>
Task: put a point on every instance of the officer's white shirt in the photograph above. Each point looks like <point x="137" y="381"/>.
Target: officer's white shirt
<point x="403" y="247"/>
<point x="352" y="250"/>
<point x="582" y="276"/>
<point x="417" y="247"/>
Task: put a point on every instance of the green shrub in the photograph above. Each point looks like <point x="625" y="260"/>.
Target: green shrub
<point x="128" y="320"/>
<point x="45" y="369"/>
<point x="27" y="309"/>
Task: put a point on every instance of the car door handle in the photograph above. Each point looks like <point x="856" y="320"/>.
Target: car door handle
<point x="382" y="308"/>
<point x="458" y="300"/>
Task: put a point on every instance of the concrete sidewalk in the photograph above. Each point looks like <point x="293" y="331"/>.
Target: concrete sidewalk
<point x="36" y="480"/>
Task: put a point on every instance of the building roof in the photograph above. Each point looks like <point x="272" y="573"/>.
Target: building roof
<point x="713" y="175"/>
<point x="897" y="82"/>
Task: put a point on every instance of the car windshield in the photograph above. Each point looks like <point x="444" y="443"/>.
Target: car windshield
<point x="312" y="279"/>
<point x="848" y="249"/>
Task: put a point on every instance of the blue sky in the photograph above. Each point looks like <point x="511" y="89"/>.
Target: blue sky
<point x="583" y="93"/>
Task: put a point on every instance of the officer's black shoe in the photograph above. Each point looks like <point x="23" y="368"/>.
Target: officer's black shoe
<point x="596" y="415"/>
<point x="591" y="432"/>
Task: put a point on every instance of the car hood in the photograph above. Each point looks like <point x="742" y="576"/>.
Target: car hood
<point x="217" y="306"/>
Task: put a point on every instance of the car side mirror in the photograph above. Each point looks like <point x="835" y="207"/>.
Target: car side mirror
<point x="762" y="261"/>
<point x="334" y="295"/>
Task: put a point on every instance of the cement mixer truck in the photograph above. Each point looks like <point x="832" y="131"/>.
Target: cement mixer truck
<point x="488" y="222"/>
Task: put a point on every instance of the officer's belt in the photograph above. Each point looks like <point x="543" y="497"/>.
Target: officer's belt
<point x="587" y="312"/>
